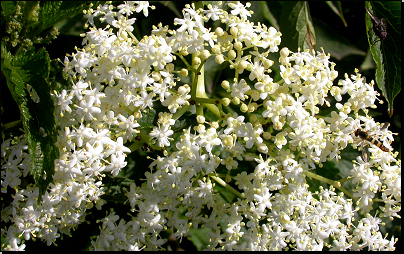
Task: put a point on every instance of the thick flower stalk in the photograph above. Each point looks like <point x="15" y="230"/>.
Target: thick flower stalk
<point x="277" y="126"/>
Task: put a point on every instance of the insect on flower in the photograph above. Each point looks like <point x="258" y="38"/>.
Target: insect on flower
<point x="365" y="136"/>
<point x="379" y="27"/>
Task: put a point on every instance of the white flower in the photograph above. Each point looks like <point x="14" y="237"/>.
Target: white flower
<point x="145" y="100"/>
<point x="162" y="134"/>
<point x="239" y="9"/>
<point x="238" y="90"/>
<point x="186" y="24"/>
<point x="64" y="101"/>
<point x="213" y="12"/>
<point x="118" y="80"/>
<point x="280" y="139"/>
<point x="118" y="147"/>
<point x="230" y="163"/>
<point x="117" y="163"/>
<point x="87" y="108"/>
<point x="194" y="42"/>
<point x="266" y="87"/>
<point x="100" y="39"/>
<point x="198" y="163"/>
<point x="257" y="71"/>
<point x="143" y="6"/>
<point x="129" y="125"/>
<point x="123" y="24"/>
<point x="77" y="89"/>
<point x="208" y="139"/>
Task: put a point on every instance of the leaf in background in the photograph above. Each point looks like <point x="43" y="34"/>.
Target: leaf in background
<point x="30" y="70"/>
<point x="334" y="43"/>
<point x="386" y="53"/>
<point x="171" y="5"/>
<point x="268" y="15"/>
<point x="8" y="8"/>
<point x="148" y="119"/>
<point x="337" y="10"/>
<point x="115" y="188"/>
<point x="296" y="26"/>
<point x="184" y="122"/>
<point x="54" y="11"/>
<point x="368" y="63"/>
<point x="199" y="237"/>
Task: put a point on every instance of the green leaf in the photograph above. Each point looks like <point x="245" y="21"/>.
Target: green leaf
<point x="334" y="43"/>
<point x="199" y="237"/>
<point x="386" y="53"/>
<point x="52" y="12"/>
<point x="268" y="15"/>
<point x="8" y="8"/>
<point x="225" y="194"/>
<point x="297" y="27"/>
<point x="27" y="76"/>
<point x="115" y="188"/>
<point x="148" y="119"/>
<point x="337" y="10"/>
<point x="171" y="5"/>
<point x="184" y="122"/>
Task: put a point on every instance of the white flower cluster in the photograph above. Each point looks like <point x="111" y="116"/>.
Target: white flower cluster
<point x="117" y="80"/>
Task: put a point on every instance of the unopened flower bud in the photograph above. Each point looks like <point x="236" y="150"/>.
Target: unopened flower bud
<point x="252" y="107"/>
<point x="266" y="135"/>
<point x="238" y="45"/>
<point x="219" y="59"/>
<point x="137" y="115"/>
<point x="182" y="90"/>
<point x="242" y="65"/>
<point x="156" y="76"/>
<point x="243" y="107"/>
<point x="249" y="67"/>
<point x="226" y="101"/>
<point x="225" y="84"/>
<point x="205" y="54"/>
<point x="184" y="72"/>
<point x="231" y="54"/>
<point x="284" y="52"/>
<point x="196" y="61"/>
<point x="219" y="31"/>
<point x="253" y="118"/>
<point x="214" y="125"/>
<point x="236" y="100"/>
<point x="170" y="67"/>
<point x="234" y="31"/>
<point x="268" y="63"/>
<point x="262" y="148"/>
<point x="200" y="119"/>
<point x="216" y="49"/>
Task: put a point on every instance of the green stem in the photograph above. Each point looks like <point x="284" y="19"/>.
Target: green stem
<point x="200" y="89"/>
<point x="205" y="100"/>
<point x="198" y="83"/>
<point x="181" y="111"/>
<point x="336" y="184"/>
<point x="145" y="138"/>
<point x="198" y="92"/>
<point x="189" y="67"/>
<point x="224" y="184"/>
<point x="212" y="107"/>
<point x="135" y="40"/>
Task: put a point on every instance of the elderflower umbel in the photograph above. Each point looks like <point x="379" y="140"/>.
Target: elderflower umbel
<point x="130" y="93"/>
